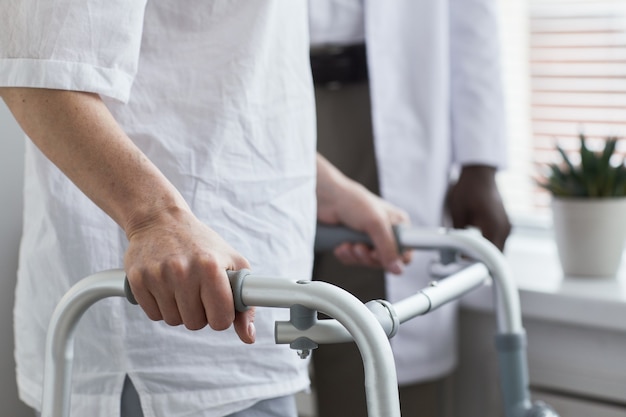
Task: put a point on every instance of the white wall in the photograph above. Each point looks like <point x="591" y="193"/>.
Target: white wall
<point x="11" y="178"/>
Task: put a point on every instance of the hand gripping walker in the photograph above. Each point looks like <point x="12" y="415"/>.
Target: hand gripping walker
<point x="369" y="325"/>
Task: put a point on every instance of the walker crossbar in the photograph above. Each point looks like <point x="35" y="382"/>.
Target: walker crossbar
<point x="424" y="301"/>
<point x="466" y="242"/>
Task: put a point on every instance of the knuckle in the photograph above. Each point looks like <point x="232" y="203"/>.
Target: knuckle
<point x="220" y="323"/>
<point x="195" y="324"/>
<point x="175" y="265"/>
<point x="143" y="278"/>
<point x="154" y="316"/>
<point x="209" y="265"/>
<point x="173" y="321"/>
<point x="242" y="262"/>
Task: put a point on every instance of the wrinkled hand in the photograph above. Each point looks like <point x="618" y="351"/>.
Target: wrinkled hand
<point x="475" y="201"/>
<point x="176" y="267"/>
<point x="344" y="201"/>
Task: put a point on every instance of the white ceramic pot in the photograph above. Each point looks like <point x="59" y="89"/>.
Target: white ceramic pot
<point x="589" y="235"/>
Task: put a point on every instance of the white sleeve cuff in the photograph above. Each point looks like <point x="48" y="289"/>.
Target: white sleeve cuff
<point x="64" y="75"/>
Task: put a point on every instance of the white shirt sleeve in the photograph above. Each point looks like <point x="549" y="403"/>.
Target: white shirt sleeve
<point x="82" y="45"/>
<point x="477" y="103"/>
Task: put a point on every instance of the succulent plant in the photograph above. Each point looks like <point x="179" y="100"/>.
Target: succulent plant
<point x="595" y="177"/>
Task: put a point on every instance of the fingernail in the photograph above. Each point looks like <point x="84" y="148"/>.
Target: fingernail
<point x="360" y="251"/>
<point x="251" y="331"/>
<point x="395" y="267"/>
<point x="341" y="251"/>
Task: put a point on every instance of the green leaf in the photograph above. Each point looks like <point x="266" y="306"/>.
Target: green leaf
<point x="609" y="149"/>
<point x="593" y="177"/>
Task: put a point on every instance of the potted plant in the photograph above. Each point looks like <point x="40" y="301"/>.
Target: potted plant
<point x="589" y="210"/>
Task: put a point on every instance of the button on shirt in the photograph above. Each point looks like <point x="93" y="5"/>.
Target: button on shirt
<point x="218" y="95"/>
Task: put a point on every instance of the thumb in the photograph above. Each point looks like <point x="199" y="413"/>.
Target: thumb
<point x="244" y="325"/>
<point x="386" y="246"/>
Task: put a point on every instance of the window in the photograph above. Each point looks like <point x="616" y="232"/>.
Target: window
<point x="564" y="64"/>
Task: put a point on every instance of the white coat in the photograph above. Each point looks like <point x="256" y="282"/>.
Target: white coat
<point x="436" y="103"/>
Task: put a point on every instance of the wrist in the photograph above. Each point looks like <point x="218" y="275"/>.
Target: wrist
<point x="159" y="215"/>
<point x="478" y="172"/>
<point x="332" y="185"/>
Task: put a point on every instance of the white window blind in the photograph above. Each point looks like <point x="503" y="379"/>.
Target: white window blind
<point x="575" y="52"/>
<point x="578" y="75"/>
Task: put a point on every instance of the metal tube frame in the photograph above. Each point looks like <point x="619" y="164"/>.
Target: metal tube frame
<point x="60" y="338"/>
<point x="423" y="302"/>
<point x="380" y="372"/>
<point x="511" y="337"/>
<point x="470" y="243"/>
<point x="361" y="324"/>
<point x="381" y="379"/>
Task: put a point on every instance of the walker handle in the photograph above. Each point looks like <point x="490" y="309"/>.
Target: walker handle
<point x="236" y="279"/>
<point x="328" y="237"/>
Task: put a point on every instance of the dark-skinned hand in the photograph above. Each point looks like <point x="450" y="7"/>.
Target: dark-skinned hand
<point x="474" y="200"/>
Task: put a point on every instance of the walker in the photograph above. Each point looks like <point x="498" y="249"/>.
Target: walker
<point x="370" y="325"/>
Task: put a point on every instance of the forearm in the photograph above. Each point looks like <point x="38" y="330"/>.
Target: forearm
<point x="176" y="265"/>
<point x="79" y="135"/>
<point x="481" y="172"/>
<point x="330" y="182"/>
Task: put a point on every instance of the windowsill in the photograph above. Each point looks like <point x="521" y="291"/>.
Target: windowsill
<point x="546" y="294"/>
